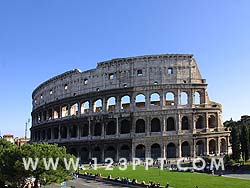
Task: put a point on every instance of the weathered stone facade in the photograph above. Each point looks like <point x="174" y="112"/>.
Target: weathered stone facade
<point x="147" y="106"/>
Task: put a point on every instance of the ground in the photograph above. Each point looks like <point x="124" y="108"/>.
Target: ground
<point x="177" y="179"/>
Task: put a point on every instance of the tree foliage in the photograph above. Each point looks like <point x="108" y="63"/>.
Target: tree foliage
<point x="12" y="169"/>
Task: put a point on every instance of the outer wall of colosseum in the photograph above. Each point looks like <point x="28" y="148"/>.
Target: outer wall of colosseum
<point x="148" y="106"/>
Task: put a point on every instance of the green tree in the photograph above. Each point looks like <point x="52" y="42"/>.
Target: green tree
<point x="245" y="142"/>
<point x="46" y="151"/>
<point x="235" y="139"/>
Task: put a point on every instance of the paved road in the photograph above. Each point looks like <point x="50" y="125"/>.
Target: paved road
<point x="240" y="176"/>
<point x="79" y="183"/>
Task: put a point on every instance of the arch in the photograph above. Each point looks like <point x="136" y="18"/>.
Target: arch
<point x="110" y="152"/>
<point x="85" y="107"/>
<point x="111" y="102"/>
<point x="155" y="125"/>
<point x="140" y="101"/>
<point x="197" y="98"/>
<point x="125" y="102"/>
<point x="98" y="105"/>
<point x="155" y="151"/>
<point x="140" y="126"/>
<point x="56" y="113"/>
<point x="155" y="99"/>
<point x="169" y="99"/>
<point x="97" y="153"/>
<point x="223" y="146"/>
<point x="56" y="133"/>
<point x="140" y="151"/>
<point x="85" y="130"/>
<point x="84" y="155"/>
<point x="65" y="111"/>
<point x="185" y="149"/>
<point x="212" y="122"/>
<point x="111" y="128"/>
<point x="63" y="132"/>
<point x="74" y="110"/>
<point x="43" y="134"/>
<point x="184" y="98"/>
<point x="125" y="127"/>
<point x="73" y="151"/>
<point x="212" y="146"/>
<point x="184" y="123"/>
<point x="125" y="152"/>
<point x="200" y="148"/>
<point x="49" y="133"/>
<point x="73" y="131"/>
<point x="200" y="123"/>
<point x="171" y="150"/>
<point x="97" y="129"/>
<point x="170" y="124"/>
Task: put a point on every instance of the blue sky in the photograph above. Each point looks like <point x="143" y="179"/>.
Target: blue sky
<point x="43" y="38"/>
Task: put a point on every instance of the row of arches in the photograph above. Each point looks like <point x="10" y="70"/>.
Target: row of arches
<point x="111" y="104"/>
<point x="155" y="151"/>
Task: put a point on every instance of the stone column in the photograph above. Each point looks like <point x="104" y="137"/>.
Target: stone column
<point x="133" y="150"/>
<point x="78" y="132"/>
<point x="206" y="122"/>
<point x="104" y="105"/>
<point x="79" y="109"/>
<point x="69" y="110"/>
<point x="218" y="121"/>
<point x="147" y="102"/>
<point x="148" y="127"/>
<point x="194" y="148"/>
<point x="179" y="149"/>
<point x="163" y="151"/>
<point x="206" y="147"/>
<point x="162" y="98"/>
<point x="117" y="127"/>
<point x="117" y="152"/>
<point x="118" y="104"/>
<point x="89" y="134"/>
<point x="217" y="145"/>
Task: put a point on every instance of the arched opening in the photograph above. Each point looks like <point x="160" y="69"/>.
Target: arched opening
<point x="63" y="132"/>
<point x="140" y="101"/>
<point x="65" y="111"/>
<point x="140" y="151"/>
<point x="74" y="110"/>
<point x="43" y="134"/>
<point x="197" y="98"/>
<point x="111" y="104"/>
<point x="111" y="128"/>
<point x="212" y="122"/>
<point x="171" y="150"/>
<point x="185" y="149"/>
<point x="184" y="98"/>
<point x="97" y="153"/>
<point x="73" y="131"/>
<point x="125" y="102"/>
<point x="125" y="127"/>
<point x="199" y="123"/>
<point x="56" y="133"/>
<point x="223" y="146"/>
<point x="169" y="99"/>
<point x="212" y="146"/>
<point x="155" y="99"/>
<point x="56" y="113"/>
<point x="110" y="152"/>
<point x="85" y="130"/>
<point x="49" y="134"/>
<point x="125" y="152"/>
<point x="155" y="125"/>
<point x="98" y="105"/>
<point x="170" y="124"/>
<point x="155" y="151"/>
<point x="184" y="123"/>
<point x="85" y="107"/>
<point x="98" y="129"/>
<point x="200" y="148"/>
<point x="84" y="155"/>
<point x="73" y="151"/>
<point x="140" y="126"/>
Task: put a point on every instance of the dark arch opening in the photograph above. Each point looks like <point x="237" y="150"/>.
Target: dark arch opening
<point x="98" y="129"/>
<point x="200" y="123"/>
<point x="171" y="150"/>
<point x="140" y="126"/>
<point x="200" y="148"/>
<point x="170" y="124"/>
<point x="84" y="155"/>
<point x="212" y="147"/>
<point x="185" y="149"/>
<point x="140" y="151"/>
<point x="56" y="133"/>
<point x="110" y="152"/>
<point x="125" y="152"/>
<point x="73" y="131"/>
<point x="63" y="132"/>
<point x="125" y="127"/>
<point x="184" y="123"/>
<point x="155" y="125"/>
<point x="97" y="153"/>
<point x="85" y="130"/>
<point x="111" y="128"/>
<point x="155" y="151"/>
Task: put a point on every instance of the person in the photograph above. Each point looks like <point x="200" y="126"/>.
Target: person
<point x="167" y="186"/>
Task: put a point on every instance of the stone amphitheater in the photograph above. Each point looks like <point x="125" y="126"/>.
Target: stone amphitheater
<point x="146" y="106"/>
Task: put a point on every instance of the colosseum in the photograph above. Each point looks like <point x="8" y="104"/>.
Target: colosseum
<point x="147" y="106"/>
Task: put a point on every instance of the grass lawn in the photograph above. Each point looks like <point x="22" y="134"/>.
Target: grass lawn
<point x="176" y="179"/>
